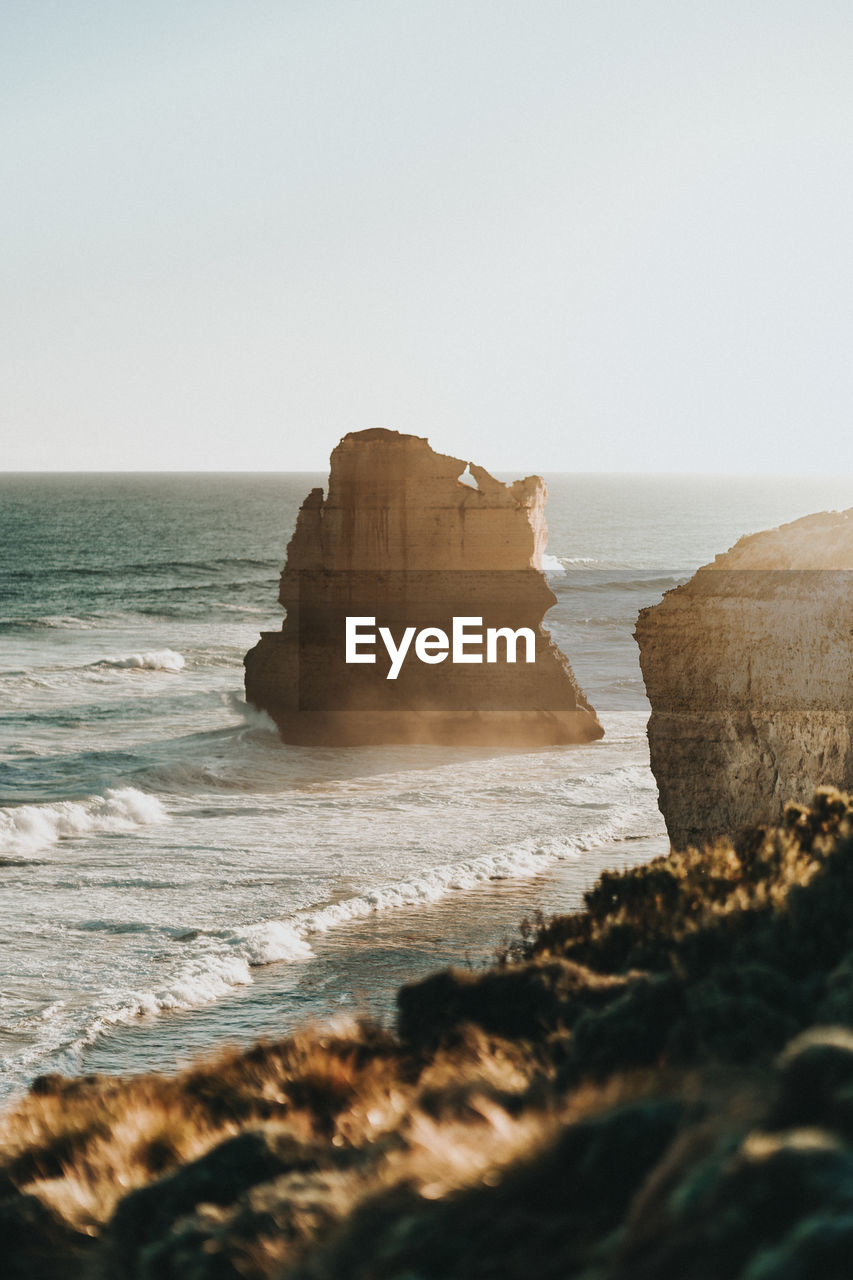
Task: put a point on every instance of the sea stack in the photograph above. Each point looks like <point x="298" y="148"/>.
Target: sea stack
<point x="402" y="540"/>
<point x="749" y="671"/>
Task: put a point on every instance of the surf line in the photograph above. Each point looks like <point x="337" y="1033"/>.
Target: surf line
<point x="433" y="645"/>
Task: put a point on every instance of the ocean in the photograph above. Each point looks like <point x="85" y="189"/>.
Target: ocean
<point x="173" y="876"/>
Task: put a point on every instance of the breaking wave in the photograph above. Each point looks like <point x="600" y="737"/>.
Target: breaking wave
<point x="253" y="717"/>
<point x="204" y="978"/>
<point x="28" y="827"/>
<point x="225" y="963"/>
<point x="152" y="660"/>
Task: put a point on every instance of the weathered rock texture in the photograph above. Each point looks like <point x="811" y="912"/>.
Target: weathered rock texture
<point x="749" y="671"/>
<point x="400" y="538"/>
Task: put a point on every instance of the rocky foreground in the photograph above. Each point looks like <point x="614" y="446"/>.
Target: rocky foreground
<point x="659" y="1086"/>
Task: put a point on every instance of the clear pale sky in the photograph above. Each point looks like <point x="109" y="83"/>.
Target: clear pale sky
<point x="550" y="235"/>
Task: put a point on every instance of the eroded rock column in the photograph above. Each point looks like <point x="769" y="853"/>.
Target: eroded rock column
<point x="400" y="538"/>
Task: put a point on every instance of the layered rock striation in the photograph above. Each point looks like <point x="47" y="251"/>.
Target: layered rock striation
<point x="749" y="671"/>
<point x="402" y="540"/>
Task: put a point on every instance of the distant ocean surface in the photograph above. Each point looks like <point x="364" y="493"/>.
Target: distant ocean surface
<point x="172" y="876"/>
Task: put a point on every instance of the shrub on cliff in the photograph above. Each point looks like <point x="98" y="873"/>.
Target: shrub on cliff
<point x="722" y="953"/>
<point x="609" y="1102"/>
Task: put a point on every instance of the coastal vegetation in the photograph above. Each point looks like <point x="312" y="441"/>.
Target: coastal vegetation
<point x="658" y="1087"/>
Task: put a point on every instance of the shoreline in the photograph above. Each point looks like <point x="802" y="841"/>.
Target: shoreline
<point x="656" y="1086"/>
<point x="357" y="968"/>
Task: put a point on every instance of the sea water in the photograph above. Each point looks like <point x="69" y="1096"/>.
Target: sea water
<point x="173" y="876"/>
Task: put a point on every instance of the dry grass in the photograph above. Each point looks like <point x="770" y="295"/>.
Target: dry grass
<point x="499" y="1084"/>
<point x="82" y="1145"/>
<point x="649" y="916"/>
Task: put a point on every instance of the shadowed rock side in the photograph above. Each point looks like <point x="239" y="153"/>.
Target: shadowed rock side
<point x="658" y="1087"/>
<point x="400" y="538"/>
<point x="749" y="671"/>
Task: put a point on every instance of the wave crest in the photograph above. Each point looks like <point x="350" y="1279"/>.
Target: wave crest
<point x="152" y="660"/>
<point x="28" y="827"/>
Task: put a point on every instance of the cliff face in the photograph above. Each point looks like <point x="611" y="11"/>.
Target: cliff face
<point x="749" y="671"/>
<point x="402" y="540"/>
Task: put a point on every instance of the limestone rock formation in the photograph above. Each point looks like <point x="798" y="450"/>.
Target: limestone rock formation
<point x="401" y="539"/>
<point x="749" y="671"/>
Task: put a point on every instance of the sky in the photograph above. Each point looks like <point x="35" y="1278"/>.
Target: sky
<point x="549" y="235"/>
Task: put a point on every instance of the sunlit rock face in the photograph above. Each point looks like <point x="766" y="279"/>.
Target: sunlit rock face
<point x="749" y="671"/>
<point x="400" y="538"/>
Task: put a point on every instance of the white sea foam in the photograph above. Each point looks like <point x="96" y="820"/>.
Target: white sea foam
<point x="268" y="942"/>
<point x="550" y="564"/>
<point x="221" y="965"/>
<point x="253" y="716"/>
<point x="28" y="827"/>
<point x="287" y="939"/>
<point x="152" y="660"/>
<point x="206" y="977"/>
<point x="199" y="982"/>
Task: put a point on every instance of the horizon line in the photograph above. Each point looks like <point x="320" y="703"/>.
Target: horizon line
<point x="274" y="471"/>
